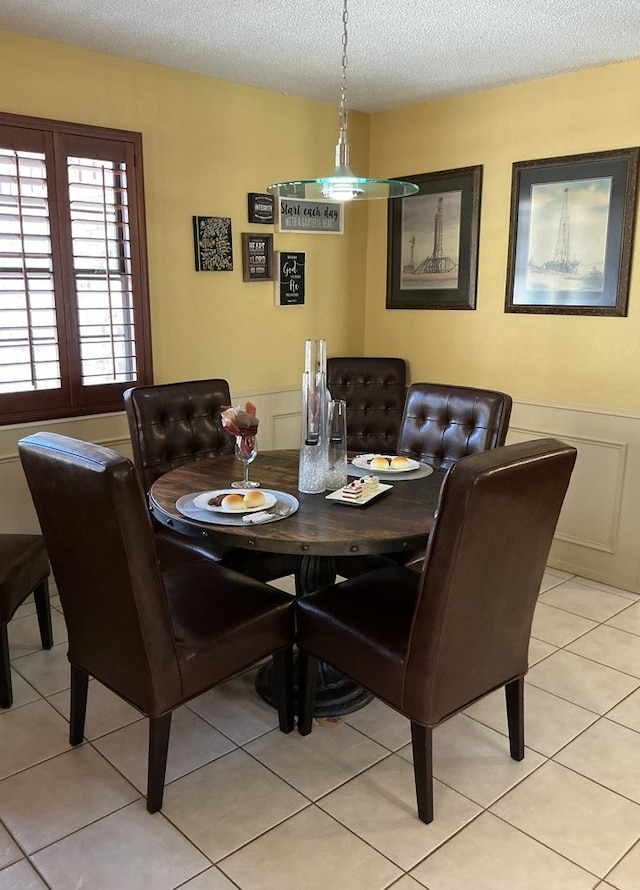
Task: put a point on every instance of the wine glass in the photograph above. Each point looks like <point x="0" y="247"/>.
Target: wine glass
<point x="246" y="450"/>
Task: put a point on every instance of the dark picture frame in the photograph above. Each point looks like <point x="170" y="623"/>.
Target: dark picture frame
<point x="571" y="234"/>
<point x="257" y="257"/>
<point x="212" y="243"/>
<point x="432" y="246"/>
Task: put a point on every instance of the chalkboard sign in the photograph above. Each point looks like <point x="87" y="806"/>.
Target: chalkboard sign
<point x="300" y="215"/>
<point x="260" y="208"/>
<point x="257" y="257"/>
<point x="290" y="279"/>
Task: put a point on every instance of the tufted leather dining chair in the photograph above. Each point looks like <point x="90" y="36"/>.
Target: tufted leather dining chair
<point x="374" y="390"/>
<point x="443" y="423"/>
<point x="157" y="637"/>
<point x="440" y="424"/>
<point x="24" y="569"/>
<point x="172" y="424"/>
<point x="431" y="644"/>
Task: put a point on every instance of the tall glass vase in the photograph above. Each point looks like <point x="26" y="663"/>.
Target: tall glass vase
<point x="312" y="470"/>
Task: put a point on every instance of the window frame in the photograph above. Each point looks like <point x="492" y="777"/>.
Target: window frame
<point x="59" y="140"/>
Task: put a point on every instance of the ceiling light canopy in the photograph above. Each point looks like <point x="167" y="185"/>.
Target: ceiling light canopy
<point x="342" y="184"/>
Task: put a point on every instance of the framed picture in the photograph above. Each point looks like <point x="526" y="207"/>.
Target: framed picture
<point x="260" y="208"/>
<point x="571" y="234"/>
<point x="317" y="217"/>
<point x="257" y="257"/>
<point x="290" y="281"/>
<point x="212" y="243"/>
<point x="432" y="247"/>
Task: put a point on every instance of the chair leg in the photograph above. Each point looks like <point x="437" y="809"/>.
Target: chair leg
<point x="514" y="695"/>
<point x="6" y="690"/>
<point x="159" y="729"/>
<point x="43" y="610"/>
<point x="283" y="681"/>
<point x="307" y="675"/>
<point x="421" y="745"/>
<point x="79" y="688"/>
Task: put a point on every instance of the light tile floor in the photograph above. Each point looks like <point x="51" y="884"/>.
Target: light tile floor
<point x="247" y="807"/>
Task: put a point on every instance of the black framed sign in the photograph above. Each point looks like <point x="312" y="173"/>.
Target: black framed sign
<point x="571" y="234"/>
<point x="432" y="247"/>
<point x="257" y="257"/>
<point x="290" y="281"/>
<point x="212" y="243"/>
<point x="260" y="208"/>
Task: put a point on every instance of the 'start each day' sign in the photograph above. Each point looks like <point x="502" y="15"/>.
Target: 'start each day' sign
<point x="300" y="215"/>
<point x="290" y="278"/>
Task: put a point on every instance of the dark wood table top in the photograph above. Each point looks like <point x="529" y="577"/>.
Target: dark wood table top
<point x="397" y="520"/>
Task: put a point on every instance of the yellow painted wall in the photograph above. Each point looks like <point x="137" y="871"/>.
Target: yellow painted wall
<point x="207" y="143"/>
<point x="563" y="360"/>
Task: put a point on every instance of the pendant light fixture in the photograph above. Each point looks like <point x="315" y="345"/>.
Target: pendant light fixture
<point x="343" y="185"/>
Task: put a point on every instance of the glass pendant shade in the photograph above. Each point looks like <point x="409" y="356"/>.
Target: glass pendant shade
<point x="342" y="184"/>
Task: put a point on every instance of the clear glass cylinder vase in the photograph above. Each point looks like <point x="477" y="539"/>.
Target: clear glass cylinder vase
<point x="312" y="468"/>
<point x="336" y="445"/>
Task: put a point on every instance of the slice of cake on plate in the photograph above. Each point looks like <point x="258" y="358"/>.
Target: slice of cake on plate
<point x="354" y="491"/>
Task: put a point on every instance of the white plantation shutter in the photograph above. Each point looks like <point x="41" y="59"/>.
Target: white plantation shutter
<point x="29" y="356"/>
<point x="74" y="316"/>
<point x="102" y="266"/>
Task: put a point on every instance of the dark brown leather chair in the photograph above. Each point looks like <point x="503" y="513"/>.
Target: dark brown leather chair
<point x="374" y="390"/>
<point x="24" y="569"/>
<point x="440" y="424"/>
<point x="431" y="644"/>
<point x="157" y="638"/>
<point x="172" y="424"/>
<point x="443" y="423"/>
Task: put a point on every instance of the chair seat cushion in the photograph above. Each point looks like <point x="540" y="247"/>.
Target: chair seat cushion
<point x="363" y="628"/>
<point x="175" y="549"/>
<point x="216" y="634"/>
<point x="23" y="565"/>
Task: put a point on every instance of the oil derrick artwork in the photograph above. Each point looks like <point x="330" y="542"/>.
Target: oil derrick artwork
<point x="430" y="252"/>
<point x="567" y="248"/>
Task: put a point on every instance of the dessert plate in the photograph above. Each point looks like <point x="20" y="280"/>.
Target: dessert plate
<point x="201" y="501"/>
<point x="338" y="497"/>
<point x="363" y="462"/>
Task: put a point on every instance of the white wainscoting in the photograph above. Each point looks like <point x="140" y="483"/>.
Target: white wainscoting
<point x="598" y="535"/>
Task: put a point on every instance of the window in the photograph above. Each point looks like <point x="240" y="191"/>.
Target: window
<point x="74" y="306"/>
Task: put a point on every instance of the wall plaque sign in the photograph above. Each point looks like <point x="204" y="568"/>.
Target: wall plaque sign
<point x="212" y="243"/>
<point x="260" y="208"/>
<point x="300" y="215"/>
<point x="290" y="279"/>
<point x="257" y="257"/>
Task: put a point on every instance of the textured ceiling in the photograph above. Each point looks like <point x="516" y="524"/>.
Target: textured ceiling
<point x="400" y="53"/>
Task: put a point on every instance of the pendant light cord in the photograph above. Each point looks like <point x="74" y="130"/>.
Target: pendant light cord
<point x="343" y="81"/>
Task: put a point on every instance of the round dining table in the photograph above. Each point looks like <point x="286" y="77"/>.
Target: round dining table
<point x="315" y="527"/>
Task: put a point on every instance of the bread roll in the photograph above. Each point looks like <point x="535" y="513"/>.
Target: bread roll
<point x="379" y="463"/>
<point x="254" y="498"/>
<point x="233" y="502"/>
<point x="399" y="463"/>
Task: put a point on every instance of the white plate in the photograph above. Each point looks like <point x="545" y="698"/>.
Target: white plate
<point x="359" y="502"/>
<point x="364" y="463"/>
<point x="202" y="501"/>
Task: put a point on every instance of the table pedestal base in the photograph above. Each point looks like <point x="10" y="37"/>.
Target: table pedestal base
<point x="335" y="694"/>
